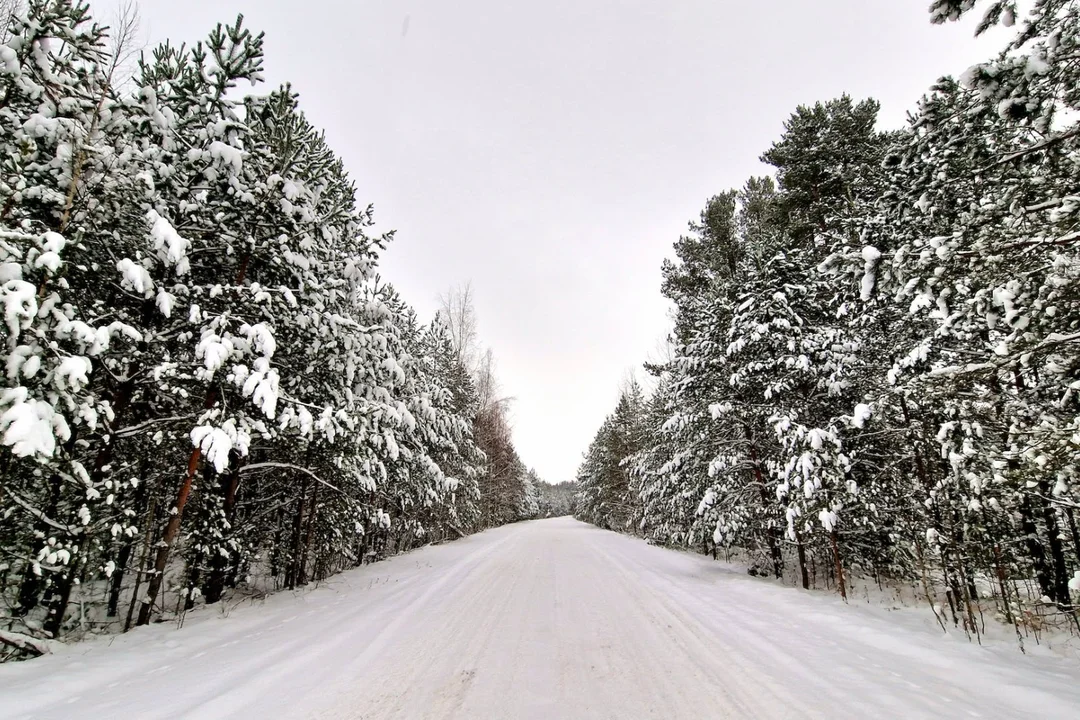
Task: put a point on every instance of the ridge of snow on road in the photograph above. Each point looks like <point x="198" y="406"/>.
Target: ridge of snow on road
<point x="543" y="619"/>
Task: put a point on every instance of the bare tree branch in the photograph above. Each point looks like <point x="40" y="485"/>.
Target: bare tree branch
<point x="8" y="9"/>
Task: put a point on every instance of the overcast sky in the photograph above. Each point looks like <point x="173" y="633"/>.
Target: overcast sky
<point x="551" y="152"/>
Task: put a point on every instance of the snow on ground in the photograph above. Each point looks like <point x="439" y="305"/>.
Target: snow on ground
<point x="546" y="619"/>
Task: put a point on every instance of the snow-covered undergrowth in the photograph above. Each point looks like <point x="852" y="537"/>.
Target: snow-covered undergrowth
<point x="1042" y="628"/>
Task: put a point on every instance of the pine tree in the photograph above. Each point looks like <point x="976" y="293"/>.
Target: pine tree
<point x="876" y="354"/>
<point x="605" y="496"/>
<point x="206" y="377"/>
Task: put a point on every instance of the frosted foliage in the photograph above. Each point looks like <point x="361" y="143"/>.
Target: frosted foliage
<point x="873" y="364"/>
<point x="193" y="321"/>
<point x="870" y="257"/>
<point x="27" y="425"/>
<point x="167" y="242"/>
<point x="828" y="520"/>
<point x="862" y="414"/>
<point x="135" y="277"/>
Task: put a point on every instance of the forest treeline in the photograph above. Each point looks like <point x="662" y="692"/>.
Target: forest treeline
<point x="875" y="361"/>
<point x="207" y="382"/>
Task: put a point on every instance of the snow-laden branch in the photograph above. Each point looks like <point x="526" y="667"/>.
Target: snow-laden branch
<point x="290" y="466"/>
<point x="39" y="515"/>
<point x="136" y="429"/>
<point x="13" y="235"/>
<point x="25" y="643"/>
<point x="1048" y="143"/>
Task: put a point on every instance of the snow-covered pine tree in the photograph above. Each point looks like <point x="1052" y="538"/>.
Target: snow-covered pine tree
<point x="62" y="133"/>
<point x="206" y="382"/>
<point x="605" y="495"/>
<point x="889" y="339"/>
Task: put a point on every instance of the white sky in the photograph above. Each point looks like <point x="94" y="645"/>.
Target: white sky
<point x="551" y="152"/>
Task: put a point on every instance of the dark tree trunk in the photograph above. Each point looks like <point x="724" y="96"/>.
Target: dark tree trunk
<point x="963" y="559"/>
<point x="220" y="564"/>
<point x="32" y="583"/>
<point x="141" y="570"/>
<point x="973" y="591"/>
<point x="172" y="529"/>
<point x="29" y="592"/>
<point x="58" y="601"/>
<point x="61" y="593"/>
<point x="292" y="575"/>
<point x="1002" y="584"/>
<point x="313" y="512"/>
<point x="116" y="582"/>
<point x="275" y="553"/>
<point x="839" y="565"/>
<point x="1057" y="550"/>
<point x="803" y="574"/>
<point x="1075" y="533"/>
<point x="772" y="534"/>
<point x="1035" y="548"/>
<point x="194" y="573"/>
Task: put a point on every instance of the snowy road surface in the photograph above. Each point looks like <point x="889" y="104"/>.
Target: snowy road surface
<point x="546" y="619"/>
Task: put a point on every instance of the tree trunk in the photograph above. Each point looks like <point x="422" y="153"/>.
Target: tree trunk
<point x="313" y="512"/>
<point x="33" y="583"/>
<point x="1075" y="533"/>
<point x="1057" y="550"/>
<point x="194" y="573"/>
<point x="839" y="565"/>
<point x="771" y="533"/>
<point x="1035" y="548"/>
<point x="172" y="529"/>
<point x="275" y="551"/>
<point x="292" y="575"/>
<point x="972" y="590"/>
<point x="1001" y="583"/>
<point x="969" y="621"/>
<point x="116" y="582"/>
<point x="926" y="585"/>
<point x="219" y="563"/>
<point x="142" y="563"/>
<point x="952" y="591"/>
<point x="801" y="548"/>
<point x="61" y="595"/>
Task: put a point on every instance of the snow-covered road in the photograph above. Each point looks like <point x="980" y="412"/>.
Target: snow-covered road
<point x="546" y="619"/>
